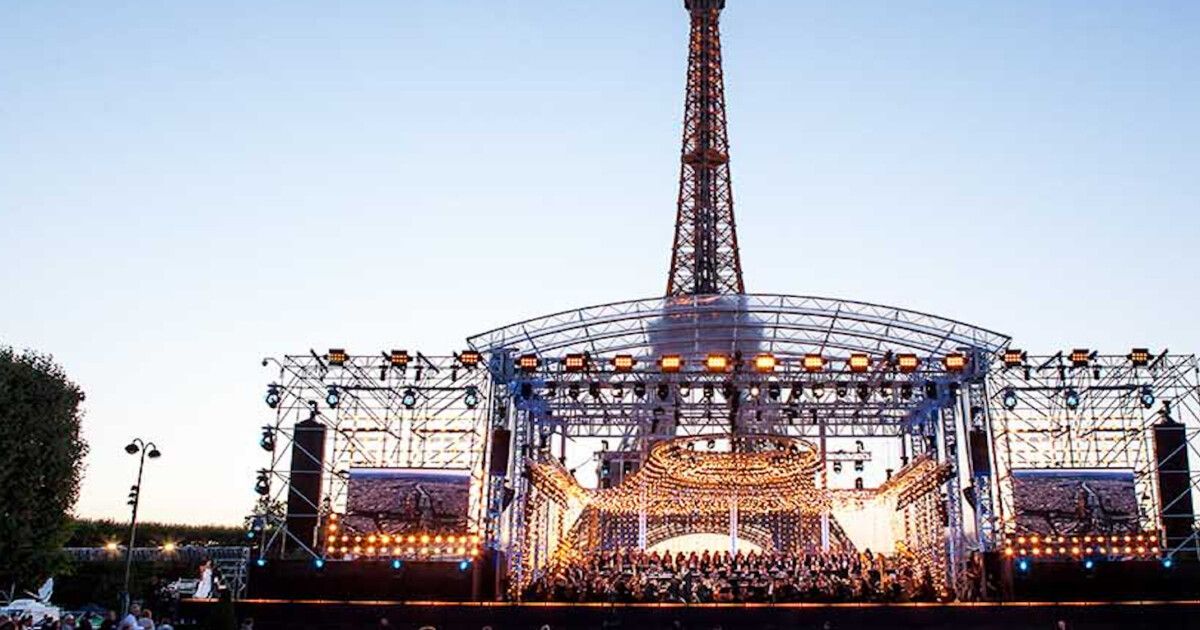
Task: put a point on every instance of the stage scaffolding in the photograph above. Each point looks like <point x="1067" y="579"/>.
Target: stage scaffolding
<point x="430" y="412"/>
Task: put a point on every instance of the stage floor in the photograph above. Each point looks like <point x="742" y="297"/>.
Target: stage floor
<point x="334" y="615"/>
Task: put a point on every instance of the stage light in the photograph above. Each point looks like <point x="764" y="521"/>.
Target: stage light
<point x="818" y="390"/>
<point x="575" y="362"/>
<point x="863" y="391"/>
<point x="594" y="389"/>
<point x="955" y="362"/>
<point x="859" y="362"/>
<point x="840" y="390"/>
<point x="262" y="562"/>
<point x="267" y="441"/>
<point x="764" y="363"/>
<point x="774" y="391"/>
<point x="464" y="565"/>
<point x="1089" y="564"/>
<point x="319" y="563"/>
<point x="906" y="391"/>
<point x="624" y="362"/>
<point x="272" y="398"/>
<point x="469" y="358"/>
<point x="110" y="546"/>
<point x="618" y="390"/>
<point x="1009" y="399"/>
<point x="573" y="391"/>
<point x="262" y="485"/>
<point x="336" y="356"/>
<point x="908" y="363"/>
<point x="1147" y="396"/>
<point x="409" y="398"/>
<point x="685" y="389"/>
<point x="755" y="390"/>
<point x="708" y="391"/>
<point x="528" y="363"/>
<point x="729" y="391"/>
<point x="1023" y="565"/>
<point x="1014" y="358"/>
<point x="931" y="390"/>
<point x="1168" y="563"/>
<point x="396" y="564"/>
<point x="471" y="398"/>
<point x="813" y="363"/>
<point x="670" y="363"/>
<point x="332" y="397"/>
<point x="399" y="358"/>
<point x="1080" y="357"/>
<point x="885" y="389"/>
<point x="1072" y="398"/>
<point x="716" y="363"/>
<point x="639" y="390"/>
<point x="663" y="391"/>
<point x="1139" y="357"/>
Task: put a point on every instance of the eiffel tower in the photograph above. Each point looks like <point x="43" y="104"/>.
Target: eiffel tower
<point x="704" y="258"/>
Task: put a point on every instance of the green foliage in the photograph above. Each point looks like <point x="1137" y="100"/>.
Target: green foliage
<point x="96" y="533"/>
<point x="40" y="467"/>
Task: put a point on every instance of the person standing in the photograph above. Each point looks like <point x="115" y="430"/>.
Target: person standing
<point x="130" y="622"/>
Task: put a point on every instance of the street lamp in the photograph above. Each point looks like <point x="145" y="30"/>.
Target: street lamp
<point x="147" y="449"/>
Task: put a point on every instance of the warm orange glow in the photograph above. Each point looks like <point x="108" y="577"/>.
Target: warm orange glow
<point x="400" y="358"/>
<point x="575" y="362"/>
<point x="412" y="539"/>
<point x="168" y="547"/>
<point x="528" y="362"/>
<point x="1008" y="551"/>
<point x="1080" y="357"/>
<point x="425" y="539"/>
<point x="908" y="362"/>
<point x="670" y="363"/>
<point x="1139" y="356"/>
<point x="764" y="363"/>
<point x="336" y="356"/>
<point x="111" y="546"/>
<point x="955" y="362"/>
<point x="716" y="362"/>
<point x="859" y="363"/>
<point x="1013" y="358"/>
<point x="814" y="363"/>
<point x="371" y="538"/>
<point x="333" y="517"/>
<point x="470" y="358"/>
<point x="623" y="362"/>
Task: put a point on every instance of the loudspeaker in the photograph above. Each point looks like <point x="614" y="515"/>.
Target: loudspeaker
<point x="304" y="488"/>
<point x="981" y="463"/>
<point x="500" y="446"/>
<point x="1174" y="482"/>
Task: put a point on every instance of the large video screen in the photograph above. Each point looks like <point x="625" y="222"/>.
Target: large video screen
<point x="403" y="500"/>
<point x="1075" y="501"/>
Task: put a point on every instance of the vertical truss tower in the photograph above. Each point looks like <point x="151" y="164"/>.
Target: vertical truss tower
<point x="704" y="259"/>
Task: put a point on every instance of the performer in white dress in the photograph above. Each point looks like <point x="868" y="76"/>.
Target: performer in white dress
<point x="204" y="589"/>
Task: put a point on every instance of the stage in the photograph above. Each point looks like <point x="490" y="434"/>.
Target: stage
<point x="332" y="615"/>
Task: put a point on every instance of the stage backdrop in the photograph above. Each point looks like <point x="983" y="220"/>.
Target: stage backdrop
<point x="407" y="500"/>
<point x="1075" y="501"/>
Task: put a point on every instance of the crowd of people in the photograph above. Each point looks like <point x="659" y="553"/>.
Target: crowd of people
<point x="136" y="619"/>
<point x="634" y="576"/>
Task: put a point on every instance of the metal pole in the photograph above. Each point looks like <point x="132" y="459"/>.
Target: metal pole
<point x="137" y="497"/>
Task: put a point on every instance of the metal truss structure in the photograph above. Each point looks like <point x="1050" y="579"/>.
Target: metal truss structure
<point x="1049" y="413"/>
<point x="426" y="412"/>
<point x="705" y="258"/>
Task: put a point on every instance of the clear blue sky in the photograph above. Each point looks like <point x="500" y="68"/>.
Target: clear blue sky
<point x="187" y="187"/>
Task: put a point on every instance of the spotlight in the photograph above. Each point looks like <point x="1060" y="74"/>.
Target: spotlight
<point x="908" y="363"/>
<point x="639" y="390"/>
<point x="729" y="391"/>
<point x="1168" y="563"/>
<point x="840" y="390"/>
<point x="1147" y="396"/>
<point x="262" y="562"/>
<point x="764" y="363"/>
<point x="685" y="389"/>
<point x="573" y="391"/>
<point x="1072" y="398"/>
<point x="814" y="363"/>
<point x="1023" y="565"/>
<point x="663" y="391"/>
<point x="755" y="390"/>
<point x="906" y="391"/>
<point x="464" y="565"/>
<point x="716" y="363"/>
<point x="1139" y="357"/>
<point x="885" y="390"/>
<point x="670" y="363"/>
<point x="931" y="390"/>
<point x="594" y="389"/>
<point x="774" y="391"/>
<point x="1080" y="357"/>
<point x="623" y="363"/>
<point x="471" y="398"/>
<point x="708" y="391"/>
<point x="396" y="564"/>
<point x="863" y="391"/>
<point x="528" y="363"/>
<point x="399" y="358"/>
<point x="1089" y="564"/>
<point x="262" y="485"/>
<point x="575" y="362"/>
<point x="859" y="362"/>
<point x="469" y="358"/>
<point x="955" y="362"/>
<point x="332" y="397"/>
<point x="272" y="395"/>
<point x="336" y="356"/>
<point x="618" y="390"/>
<point x="409" y="398"/>
<point x="319" y="563"/>
<point x="818" y="390"/>
<point x="267" y="441"/>
<point x="1014" y="358"/>
<point x="1009" y="399"/>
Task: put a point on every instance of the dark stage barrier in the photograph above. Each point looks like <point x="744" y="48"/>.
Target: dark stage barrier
<point x="300" y="579"/>
<point x="344" y="616"/>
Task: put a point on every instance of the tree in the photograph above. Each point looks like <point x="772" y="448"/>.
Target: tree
<point x="41" y="464"/>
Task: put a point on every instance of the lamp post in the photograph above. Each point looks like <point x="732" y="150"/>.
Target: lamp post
<point x="147" y="449"/>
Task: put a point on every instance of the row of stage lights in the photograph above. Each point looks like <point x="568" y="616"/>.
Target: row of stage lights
<point x="413" y="545"/>
<point x="1079" y="357"/>
<point x="1050" y="547"/>
<point x="1072" y="398"/>
<point x="773" y="390"/>
<point x="765" y="363"/>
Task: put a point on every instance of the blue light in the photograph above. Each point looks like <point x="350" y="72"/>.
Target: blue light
<point x="1089" y="564"/>
<point x="1167" y="562"/>
<point x="319" y="563"/>
<point x="396" y="564"/>
<point x="262" y="562"/>
<point x="464" y="565"/>
<point x="1022" y="565"/>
